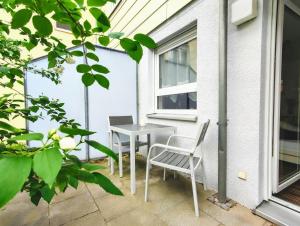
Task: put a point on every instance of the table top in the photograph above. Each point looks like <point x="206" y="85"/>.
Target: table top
<point x="137" y="129"/>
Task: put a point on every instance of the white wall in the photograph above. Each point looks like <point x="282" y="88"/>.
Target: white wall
<point x="206" y="14"/>
<point x="244" y="94"/>
<point x="244" y="76"/>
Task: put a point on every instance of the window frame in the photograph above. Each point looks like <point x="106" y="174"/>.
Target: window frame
<point x="184" y="88"/>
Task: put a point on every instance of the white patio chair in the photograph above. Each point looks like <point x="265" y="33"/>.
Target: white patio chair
<point x="179" y="159"/>
<point x="121" y="141"/>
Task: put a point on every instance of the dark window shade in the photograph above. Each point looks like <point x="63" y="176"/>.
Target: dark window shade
<point x="178" y="101"/>
<point x="63" y="26"/>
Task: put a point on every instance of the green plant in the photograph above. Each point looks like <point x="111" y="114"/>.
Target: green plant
<point x="49" y="167"/>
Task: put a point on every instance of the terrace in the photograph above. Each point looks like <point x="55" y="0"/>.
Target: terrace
<point x="170" y="203"/>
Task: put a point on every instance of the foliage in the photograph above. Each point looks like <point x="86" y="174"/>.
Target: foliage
<point x="49" y="166"/>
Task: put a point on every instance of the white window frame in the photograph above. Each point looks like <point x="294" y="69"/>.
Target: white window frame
<point x="185" y="88"/>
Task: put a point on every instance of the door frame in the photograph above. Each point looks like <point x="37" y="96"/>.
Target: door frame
<point x="276" y="186"/>
<point x="269" y="69"/>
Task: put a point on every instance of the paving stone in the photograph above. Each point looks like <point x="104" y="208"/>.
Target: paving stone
<point x="170" y="203"/>
<point x="69" y="193"/>
<point x="160" y="199"/>
<point x="112" y="206"/>
<point x="70" y="209"/>
<point x="137" y="217"/>
<point x="183" y="214"/>
<point x="21" y="212"/>
<point x="237" y="215"/>
<point x="92" y="219"/>
<point x="96" y="191"/>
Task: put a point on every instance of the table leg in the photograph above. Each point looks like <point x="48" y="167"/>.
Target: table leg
<point x="137" y="141"/>
<point x="148" y="142"/>
<point x="148" y="147"/>
<point x="111" y="147"/>
<point x="132" y="164"/>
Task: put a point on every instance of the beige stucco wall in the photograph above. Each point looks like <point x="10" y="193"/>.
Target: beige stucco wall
<point x="142" y="16"/>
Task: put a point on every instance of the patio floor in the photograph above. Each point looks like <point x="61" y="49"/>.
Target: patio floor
<point x="170" y="203"/>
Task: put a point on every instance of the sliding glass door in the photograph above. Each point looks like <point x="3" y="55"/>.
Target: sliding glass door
<point x="287" y="101"/>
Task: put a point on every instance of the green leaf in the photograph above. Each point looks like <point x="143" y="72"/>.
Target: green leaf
<point x="79" y="2"/>
<point x="75" y="131"/>
<point x="102" y="81"/>
<point x="128" y="44"/>
<point x="133" y="48"/>
<point x="35" y="198"/>
<point x="43" y="25"/>
<point x="96" y="2"/>
<point x="47" y="163"/>
<point x="47" y="193"/>
<point x="21" y="18"/>
<point x="88" y="79"/>
<point x="83" y="68"/>
<point x="145" y="41"/>
<point x="87" y="25"/>
<point x="8" y="127"/>
<point x="80" y="174"/>
<point x="103" y="40"/>
<point x="29" y="136"/>
<point x="92" y="167"/>
<point x="74" y="159"/>
<point x="115" y="35"/>
<point x="106" y="184"/>
<point x="14" y="172"/>
<point x="102" y="148"/>
<point x="90" y="46"/>
<point x="77" y="53"/>
<point x="103" y="21"/>
<point x="62" y="181"/>
<point x="92" y="56"/>
<point x="73" y="182"/>
<point x="99" y="68"/>
<point x="76" y="42"/>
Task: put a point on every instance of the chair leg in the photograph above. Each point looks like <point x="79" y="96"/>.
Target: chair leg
<point x="165" y="172"/>
<point x="147" y="180"/>
<point x="112" y="169"/>
<point x="195" y="196"/>
<point x="203" y="177"/>
<point x="120" y="164"/>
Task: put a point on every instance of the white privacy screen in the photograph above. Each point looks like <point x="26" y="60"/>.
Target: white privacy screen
<point x="120" y="99"/>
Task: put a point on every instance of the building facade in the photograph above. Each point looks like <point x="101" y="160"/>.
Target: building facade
<point x="178" y="85"/>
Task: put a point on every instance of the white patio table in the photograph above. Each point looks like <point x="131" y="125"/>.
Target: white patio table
<point x="134" y="130"/>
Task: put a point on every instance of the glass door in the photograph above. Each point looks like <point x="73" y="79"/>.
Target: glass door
<point x="287" y="117"/>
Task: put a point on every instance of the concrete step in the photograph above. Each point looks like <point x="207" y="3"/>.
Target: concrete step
<point x="278" y="214"/>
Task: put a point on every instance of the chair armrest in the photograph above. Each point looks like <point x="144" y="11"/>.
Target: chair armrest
<point x="173" y="148"/>
<point x="185" y="137"/>
<point x="116" y="135"/>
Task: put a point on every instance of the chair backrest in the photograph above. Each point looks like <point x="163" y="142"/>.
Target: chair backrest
<point x="201" y="133"/>
<point x="120" y="120"/>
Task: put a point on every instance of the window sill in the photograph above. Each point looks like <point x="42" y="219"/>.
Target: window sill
<point x="176" y="117"/>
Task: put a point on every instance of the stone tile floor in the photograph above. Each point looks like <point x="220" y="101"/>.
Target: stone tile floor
<point x="170" y="203"/>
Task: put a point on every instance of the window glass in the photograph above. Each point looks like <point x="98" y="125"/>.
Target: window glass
<point x="63" y="26"/>
<point x="178" y="66"/>
<point x="178" y="101"/>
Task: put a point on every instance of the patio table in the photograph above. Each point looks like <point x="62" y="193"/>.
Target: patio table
<point x="134" y="130"/>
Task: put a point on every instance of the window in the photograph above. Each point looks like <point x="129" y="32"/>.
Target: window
<point x="64" y="27"/>
<point x="176" y="75"/>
